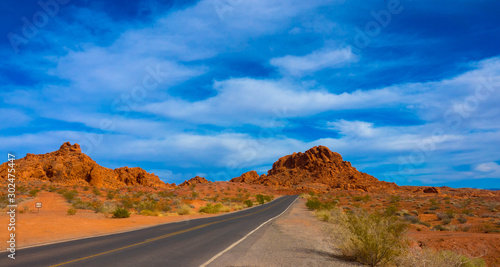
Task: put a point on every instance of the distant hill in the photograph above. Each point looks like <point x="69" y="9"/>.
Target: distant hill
<point x="317" y="169"/>
<point x="69" y="165"/>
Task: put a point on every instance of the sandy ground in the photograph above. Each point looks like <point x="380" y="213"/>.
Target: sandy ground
<point x="53" y="224"/>
<point x="296" y="238"/>
<point x="486" y="246"/>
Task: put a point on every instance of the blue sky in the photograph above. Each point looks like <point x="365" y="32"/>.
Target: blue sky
<point x="407" y="91"/>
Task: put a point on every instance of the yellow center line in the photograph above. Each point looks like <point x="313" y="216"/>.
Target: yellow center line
<point x="165" y="236"/>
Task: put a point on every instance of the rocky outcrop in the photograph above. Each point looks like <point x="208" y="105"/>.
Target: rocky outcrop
<point x="317" y="169"/>
<point x="432" y="190"/>
<point x="195" y="180"/>
<point x="247" y="177"/>
<point x="69" y="165"/>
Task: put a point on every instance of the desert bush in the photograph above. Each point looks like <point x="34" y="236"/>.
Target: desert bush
<point x="96" y="192"/>
<point x="127" y="202"/>
<point x="163" y="206"/>
<point x="461" y="219"/>
<point x="146" y="205"/>
<point x="184" y="209"/>
<point x="446" y="221"/>
<point x="111" y="196"/>
<point x="444" y="215"/>
<point x="79" y="204"/>
<point x="372" y="239"/>
<point x="219" y="207"/>
<point x="429" y="212"/>
<point x="440" y="228"/>
<point x="248" y="202"/>
<point x="313" y="204"/>
<point x="70" y="195"/>
<point x="323" y="215"/>
<point x="71" y="211"/>
<point x="95" y="205"/>
<point x="395" y="199"/>
<point x="121" y="213"/>
<point x="365" y="198"/>
<point x="391" y="210"/>
<point x="149" y="213"/>
<point x="260" y="199"/>
<point x="194" y="195"/>
<point x="34" y="192"/>
<point x="415" y="212"/>
<point x="52" y="188"/>
<point x="429" y="257"/>
<point x="268" y="198"/>
<point x="86" y="188"/>
<point x="488" y="228"/>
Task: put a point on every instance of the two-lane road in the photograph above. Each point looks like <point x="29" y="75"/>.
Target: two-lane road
<point x="188" y="243"/>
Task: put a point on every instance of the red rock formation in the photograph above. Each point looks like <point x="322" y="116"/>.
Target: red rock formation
<point x="432" y="190"/>
<point x="318" y="169"/>
<point x="247" y="177"/>
<point x="195" y="180"/>
<point x="70" y="166"/>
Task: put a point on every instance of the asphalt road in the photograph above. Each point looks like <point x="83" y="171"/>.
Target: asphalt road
<point x="187" y="243"/>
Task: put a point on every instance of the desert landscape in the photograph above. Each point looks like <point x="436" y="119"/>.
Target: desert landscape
<point x="82" y="199"/>
<point x="217" y="133"/>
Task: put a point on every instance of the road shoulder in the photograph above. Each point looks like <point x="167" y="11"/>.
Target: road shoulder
<point x="296" y="238"/>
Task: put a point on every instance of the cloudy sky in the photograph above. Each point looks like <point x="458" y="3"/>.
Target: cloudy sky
<point x="407" y="91"/>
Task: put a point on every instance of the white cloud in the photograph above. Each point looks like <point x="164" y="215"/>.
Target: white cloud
<point x="260" y="102"/>
<point x="488" y="167"/>
<point x="318" y="60"/>
<point x="356" y="128"/>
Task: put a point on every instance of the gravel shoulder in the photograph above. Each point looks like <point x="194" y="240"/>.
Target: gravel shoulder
<point x="296" y="238"/>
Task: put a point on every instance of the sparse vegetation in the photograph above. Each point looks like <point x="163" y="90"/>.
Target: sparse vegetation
<point x="121" y="213"/>
<point x="249" y="203"/>
<point x="371" y="238"/>
<point x="34" y="192"/>
<point x="184" y="209"/>
<point x="71" y="211"/>
<point x="429" y="257"/>
<point x="209" y="208"/>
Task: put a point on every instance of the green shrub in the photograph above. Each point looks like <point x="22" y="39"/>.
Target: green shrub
<point x="249" y="203"/>
<point x="260" y="199"/>
<point x="461" y="219"/>
<point x="391" y="210"/>
<point x="111" y="196"/>
<point x="268" y="198"/>
<point x="313" y="204"/>
<point x="70" y="195"/>
<point x="71" y="211"/>
<point x="121" y="213"/>
<point x="373" y="239"/>
<point x="34" y="192"/>
<point x="85" y="188"/>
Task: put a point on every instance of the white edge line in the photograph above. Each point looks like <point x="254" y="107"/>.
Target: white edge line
<point x="128" y="230"/>
<point x="245" y="237"/>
